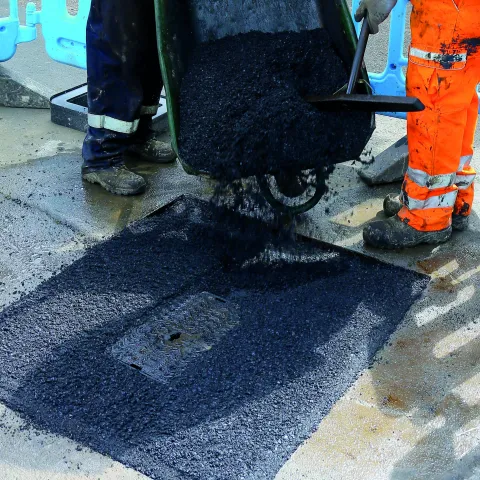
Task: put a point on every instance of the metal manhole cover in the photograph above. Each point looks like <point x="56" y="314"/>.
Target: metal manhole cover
<point x="172" y="338"/>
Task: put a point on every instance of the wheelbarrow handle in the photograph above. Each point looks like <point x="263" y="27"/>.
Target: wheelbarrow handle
<point x="359" y="55"/>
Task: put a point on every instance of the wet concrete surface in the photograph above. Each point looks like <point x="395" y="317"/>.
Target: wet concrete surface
<point x="235" y="419"/>
<point x="54" y="186"/>
<point x="28" y="134"/>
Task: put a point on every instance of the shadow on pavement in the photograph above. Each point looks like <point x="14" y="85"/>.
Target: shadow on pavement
<point x="431" y="372"/>
<point x="310" y="322"/>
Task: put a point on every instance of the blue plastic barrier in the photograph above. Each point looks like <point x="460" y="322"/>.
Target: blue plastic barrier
<point x="12" y="33"/>
<point x="64" y="36"/>
<point x="392" y="80"/>
<point x="64" y="33"/>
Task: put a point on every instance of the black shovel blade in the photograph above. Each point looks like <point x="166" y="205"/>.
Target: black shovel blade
<point x="367" y="103"/>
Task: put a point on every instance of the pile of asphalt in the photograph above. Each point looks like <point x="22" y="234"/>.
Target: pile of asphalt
<point x="309" y="320"/>
<point x="243" y="110"/>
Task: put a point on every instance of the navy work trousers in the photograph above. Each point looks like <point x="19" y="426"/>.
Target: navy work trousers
<point x="124" y="78"/>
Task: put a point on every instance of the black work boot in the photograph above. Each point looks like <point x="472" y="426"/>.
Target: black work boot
<point x="394" y="233"/>
<point x="460" y="222"/>
<point x="392" y="205"/>
<point x="118" y="180"/>
<point x="152" y="149"/>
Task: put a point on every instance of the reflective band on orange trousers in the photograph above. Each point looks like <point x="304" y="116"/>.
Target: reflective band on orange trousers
<point x="443" y="72"/>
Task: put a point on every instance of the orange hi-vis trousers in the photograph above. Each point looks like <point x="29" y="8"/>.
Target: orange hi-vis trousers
<point x="443" y="72"/>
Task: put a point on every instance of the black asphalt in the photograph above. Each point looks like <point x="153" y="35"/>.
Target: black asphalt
<point x="238" y="410"/>
<point x="243" y="110"/>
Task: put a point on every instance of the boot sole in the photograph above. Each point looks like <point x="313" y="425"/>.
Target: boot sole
<point x="122" y="192"/>
<point x="437" y="239"/>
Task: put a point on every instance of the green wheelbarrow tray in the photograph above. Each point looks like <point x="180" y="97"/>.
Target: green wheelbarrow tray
<point x="184" y="24"/>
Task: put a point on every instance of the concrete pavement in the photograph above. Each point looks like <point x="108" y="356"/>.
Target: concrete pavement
<point x="35" y="246"/>
<point x="415" y="415"/>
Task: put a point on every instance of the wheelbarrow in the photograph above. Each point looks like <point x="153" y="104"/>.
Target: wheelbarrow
<point x="184" y="24"/>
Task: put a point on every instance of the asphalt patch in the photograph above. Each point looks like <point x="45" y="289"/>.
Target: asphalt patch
<point x="243" y="110"/>
<point x="308" y="320"/>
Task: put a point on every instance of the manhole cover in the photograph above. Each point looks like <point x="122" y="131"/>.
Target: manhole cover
<point x="162" y="347"/>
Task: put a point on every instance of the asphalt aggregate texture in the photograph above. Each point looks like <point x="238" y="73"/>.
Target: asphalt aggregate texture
<point x="243" y="110"/>
<point x="308" y="320"/>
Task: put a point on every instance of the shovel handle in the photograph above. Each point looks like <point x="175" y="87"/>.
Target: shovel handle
<point x="359" y="55"/>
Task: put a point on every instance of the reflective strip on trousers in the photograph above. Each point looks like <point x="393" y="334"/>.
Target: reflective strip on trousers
<point x="465" y="162"/>
<point x="432" y="182"/>
<point x="446" y="200"/>
<point x="149" y="110"/>
<point x="109" y="123"/>
<point x="464" y="181"/>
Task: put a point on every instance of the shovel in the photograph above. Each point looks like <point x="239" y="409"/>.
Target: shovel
<point x="363" y="102"/>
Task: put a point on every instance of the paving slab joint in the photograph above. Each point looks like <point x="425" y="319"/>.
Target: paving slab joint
<point x="19" y="91"/>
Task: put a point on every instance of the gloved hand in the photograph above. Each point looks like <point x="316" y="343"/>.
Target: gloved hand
<point x="375" y="11"/>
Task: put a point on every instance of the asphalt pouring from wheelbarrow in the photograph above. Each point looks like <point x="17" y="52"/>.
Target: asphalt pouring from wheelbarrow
<point x="243" y="110"/>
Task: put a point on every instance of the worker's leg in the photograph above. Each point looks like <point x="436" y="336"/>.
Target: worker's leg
<point x="464" y="178"/>
<point x="119" y="54"/>
<point x="146" y="142"/>
<point x="466" y="173"/>
<point x="445" y="81"/>
<point x="150" y="75"/>
<point x="116" y="52"/>
<point x="435" y="138"/>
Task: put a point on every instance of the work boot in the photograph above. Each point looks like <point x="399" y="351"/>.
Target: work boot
<point x="392" y="205"/>
<point x="118" y="180"/>
<point x="154" y="150"/>
<point x="460" y="222"/>
<point x="394" y="233"/>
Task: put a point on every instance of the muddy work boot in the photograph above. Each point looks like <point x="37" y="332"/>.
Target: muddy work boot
<point x="154" y="150"/>
<point x="118" y="180"/>
<point x="393" y="234"/>
<point x="460" y="222"/>
<point x="392" y="205"/>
